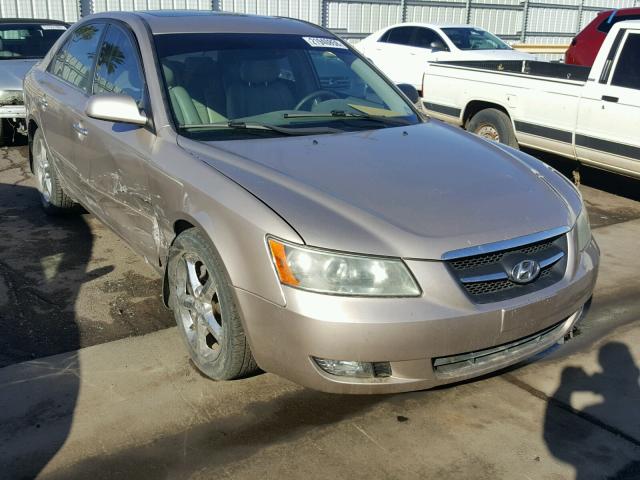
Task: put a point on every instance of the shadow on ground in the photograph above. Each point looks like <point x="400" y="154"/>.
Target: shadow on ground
<point x="42" y="268"/>
<point x="618" y="388"/>
<point x="227" y="440"/>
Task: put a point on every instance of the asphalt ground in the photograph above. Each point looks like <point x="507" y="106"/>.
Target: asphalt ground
<point x="124" y="402"/>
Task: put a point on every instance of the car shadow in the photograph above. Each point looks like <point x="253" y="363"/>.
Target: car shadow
<point x="227" y="440"/>
<point x="43" y="265"/>
<point x="570" y="433"/>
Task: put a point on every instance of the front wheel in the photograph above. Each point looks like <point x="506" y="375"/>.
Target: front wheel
<point x="205" y="309"/>
<point x="53" y="198"/>
<point x="493" y="124"/>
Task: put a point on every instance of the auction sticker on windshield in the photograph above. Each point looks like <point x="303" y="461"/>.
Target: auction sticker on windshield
<point x="53" y="27"/>
<point x="324" y="42"/>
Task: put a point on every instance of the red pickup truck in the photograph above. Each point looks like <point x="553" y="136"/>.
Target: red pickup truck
<point x="585" y="46"/>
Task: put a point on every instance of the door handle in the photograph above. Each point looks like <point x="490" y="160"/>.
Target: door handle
<point x="607" y="98"/>
<point x="80" y="129"/>
<point x="43" y="103"/>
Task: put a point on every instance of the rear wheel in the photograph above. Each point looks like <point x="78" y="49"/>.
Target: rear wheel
<point x="54" y="200"/>
<point x="205" y="309"/>
<point x="493" y="124"/>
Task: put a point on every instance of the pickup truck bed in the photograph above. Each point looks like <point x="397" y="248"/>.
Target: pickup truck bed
<point x="590" y="115"/>
<point x="558" y="71"/>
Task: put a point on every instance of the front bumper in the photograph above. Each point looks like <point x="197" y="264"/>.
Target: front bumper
<point x="13" y="111"/>
<point x="420" y="337"/>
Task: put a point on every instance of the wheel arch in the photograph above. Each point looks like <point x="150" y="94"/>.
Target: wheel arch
<point x="179" y="225"/>
<point x="32" y="126"/>
<point x="476" y="106"/>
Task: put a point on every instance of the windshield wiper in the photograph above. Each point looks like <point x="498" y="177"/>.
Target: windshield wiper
<point x="349" y="116"/>
<point x="238" y="125"/>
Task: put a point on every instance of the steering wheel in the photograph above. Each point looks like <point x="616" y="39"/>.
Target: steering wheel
<point x="318" y="94"/>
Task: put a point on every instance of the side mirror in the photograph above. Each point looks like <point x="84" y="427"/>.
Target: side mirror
<point x="410" y="92"/>
<point x="437" y="46"/>
<point x="115" y="107"/>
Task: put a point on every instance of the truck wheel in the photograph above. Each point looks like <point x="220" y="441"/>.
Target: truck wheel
<point x="493" y="124"/>
<point x="205" y="309"/>
<point x="54" y="200"/>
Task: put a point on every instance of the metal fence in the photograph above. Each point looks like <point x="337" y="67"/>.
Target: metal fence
<point x="520" y="21"/>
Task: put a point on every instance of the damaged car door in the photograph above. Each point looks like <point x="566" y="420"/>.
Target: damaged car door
<point x="119" y="152"/>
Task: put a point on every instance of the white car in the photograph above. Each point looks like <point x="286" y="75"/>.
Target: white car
<point x="402" y="51"/>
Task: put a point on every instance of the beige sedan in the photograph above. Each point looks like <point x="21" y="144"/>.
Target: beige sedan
<point x="306" y="220"/>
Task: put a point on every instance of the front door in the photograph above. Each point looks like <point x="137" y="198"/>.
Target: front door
<point x="119" y="153"/>
<point x="609" y="113"/>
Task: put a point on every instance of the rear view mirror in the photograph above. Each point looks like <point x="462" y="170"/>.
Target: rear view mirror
<point x="410" y="92"/>
<point x="437" y="46"/>
<point x="115" y="108"/>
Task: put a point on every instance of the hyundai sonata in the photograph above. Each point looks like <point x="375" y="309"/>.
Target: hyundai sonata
<point x="305" y="218"/>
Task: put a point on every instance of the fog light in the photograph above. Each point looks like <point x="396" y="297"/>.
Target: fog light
<point x="346" y="368"/>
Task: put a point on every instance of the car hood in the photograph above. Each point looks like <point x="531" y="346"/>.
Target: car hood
<point x="12" y="72"/>
<point x="413" y="192"/>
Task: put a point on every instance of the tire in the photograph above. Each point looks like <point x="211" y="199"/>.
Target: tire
<point x="3" y="142"/>
<point x="53" y="198"/>
<point x="200" y="289"/>
<point x="493" y="124"/>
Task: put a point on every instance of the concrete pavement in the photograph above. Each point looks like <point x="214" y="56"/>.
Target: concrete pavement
<point x="136" y="408"/>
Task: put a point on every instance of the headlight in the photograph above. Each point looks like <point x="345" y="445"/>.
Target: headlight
<point x="583" y="229"/>
<point x="11" y="97"/>
<point x="341" y="274"/>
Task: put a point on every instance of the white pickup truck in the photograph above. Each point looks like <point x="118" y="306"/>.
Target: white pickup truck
<point x="590" y="115"/>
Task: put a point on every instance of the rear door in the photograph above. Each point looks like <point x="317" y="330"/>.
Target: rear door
<point x="609" y="112"/>
<point x="64" y="88"/>
<point x="391" y="54"/>
<point x="119" y="153"/>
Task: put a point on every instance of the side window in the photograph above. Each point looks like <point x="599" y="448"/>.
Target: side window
<point x="424" y="37"/>
<point x="118" y="68"/>
<point x="74" y="61"/>
<point x="400" y="35"/>
<point x="627" y="72"/>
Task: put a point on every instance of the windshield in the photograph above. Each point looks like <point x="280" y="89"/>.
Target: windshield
<point x="227" y="86"/>
<point x="474" y="39"/>
<point x="28" y="40"/>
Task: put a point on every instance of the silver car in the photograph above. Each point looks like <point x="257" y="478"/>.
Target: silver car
<point x="306" y="220"/>
<point x="23" y="43"/>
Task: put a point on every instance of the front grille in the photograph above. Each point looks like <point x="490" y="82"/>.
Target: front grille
<point x="493" y="286"/>
<point x="485" y="278"/>
<point x="489" y="258"/>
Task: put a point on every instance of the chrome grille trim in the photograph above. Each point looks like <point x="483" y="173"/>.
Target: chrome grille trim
<point x="505" y="244"/>
<point x="474" y="363"/>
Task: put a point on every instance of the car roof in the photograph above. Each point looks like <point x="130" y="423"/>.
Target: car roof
<point x="203" y="21"/>
<point x="431" y="25"/>
<point x="32" y="20"/>
<point x="620" y="11"/>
